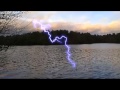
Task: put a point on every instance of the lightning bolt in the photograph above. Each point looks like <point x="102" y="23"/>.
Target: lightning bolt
<point x="45" y="27"/>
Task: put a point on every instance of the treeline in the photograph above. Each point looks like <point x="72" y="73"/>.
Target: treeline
<point x="41" y="38"/>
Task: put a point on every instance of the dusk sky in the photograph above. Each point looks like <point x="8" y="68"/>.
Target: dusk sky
<point x="95" y="22"/>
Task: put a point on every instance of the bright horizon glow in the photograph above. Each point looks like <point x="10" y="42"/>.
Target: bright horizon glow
<point x="95" y="22"/>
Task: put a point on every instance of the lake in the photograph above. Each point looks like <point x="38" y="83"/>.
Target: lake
<point x="94" y="61"/>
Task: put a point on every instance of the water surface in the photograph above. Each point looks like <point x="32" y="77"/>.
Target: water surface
<point x="49" y="62"/>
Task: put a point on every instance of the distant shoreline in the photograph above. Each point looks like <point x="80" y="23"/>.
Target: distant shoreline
<point x="74" y="38"/>
<point x="57" y="44"/>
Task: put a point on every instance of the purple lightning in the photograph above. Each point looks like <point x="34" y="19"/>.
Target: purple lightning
<point x="45" y="27"/>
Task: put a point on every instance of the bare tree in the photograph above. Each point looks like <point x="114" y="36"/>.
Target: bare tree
<point x="8" y="17"/>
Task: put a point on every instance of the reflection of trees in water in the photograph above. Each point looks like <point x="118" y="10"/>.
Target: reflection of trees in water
<point x="5" y="48"/>
<point x="3" y="55"/>
<point x="3" y="60"/>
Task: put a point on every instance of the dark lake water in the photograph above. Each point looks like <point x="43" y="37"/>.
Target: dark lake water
<point x="49" y="62"/>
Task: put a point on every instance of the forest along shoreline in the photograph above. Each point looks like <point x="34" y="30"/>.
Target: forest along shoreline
<point x="40" y="38"/>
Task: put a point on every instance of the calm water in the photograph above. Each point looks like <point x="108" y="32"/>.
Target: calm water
<point x="48" y="62"/>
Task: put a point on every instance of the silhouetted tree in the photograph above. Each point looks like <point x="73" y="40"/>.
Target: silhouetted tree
<point x="8" y="17"/>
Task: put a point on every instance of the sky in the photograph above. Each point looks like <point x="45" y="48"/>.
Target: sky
<point x="94" y="22"/>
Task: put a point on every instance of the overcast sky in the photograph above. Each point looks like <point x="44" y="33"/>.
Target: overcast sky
<point x="95" y="22"/>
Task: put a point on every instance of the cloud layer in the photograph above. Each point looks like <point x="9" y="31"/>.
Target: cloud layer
<point x="113" y="27"/>
<point x="93" y="22"/>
